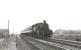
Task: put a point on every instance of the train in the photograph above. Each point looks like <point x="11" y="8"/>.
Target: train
<point x="38" y="30"/>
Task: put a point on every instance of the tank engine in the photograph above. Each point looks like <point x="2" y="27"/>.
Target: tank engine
<point x="39" y="30"/>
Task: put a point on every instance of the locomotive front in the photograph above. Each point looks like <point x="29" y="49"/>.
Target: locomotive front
<point x="41" y="30"/>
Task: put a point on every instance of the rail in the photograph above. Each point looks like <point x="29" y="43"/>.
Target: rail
<point x="69" y="43"/>
<point x="41" y="45"/>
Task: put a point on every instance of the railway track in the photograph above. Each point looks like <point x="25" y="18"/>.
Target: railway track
<point x="75" y="42"/>
<point x="68" y="43"/>
<point x="73" y="45"/>
<point x="41" y="45"/>
<point x="24" y="45"/>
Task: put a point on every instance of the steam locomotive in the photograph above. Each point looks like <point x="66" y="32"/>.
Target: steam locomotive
<point x="39" y="30"/>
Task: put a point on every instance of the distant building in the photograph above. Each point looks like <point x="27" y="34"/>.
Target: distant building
<point x="67" y="32"/>
<point x="4" y="32"/>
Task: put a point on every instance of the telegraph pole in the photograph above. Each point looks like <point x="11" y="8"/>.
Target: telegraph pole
<point x="8" y="27"/>
<point x="13" y="28"/>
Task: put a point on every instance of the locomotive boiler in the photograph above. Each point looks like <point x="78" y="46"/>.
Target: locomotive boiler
<point x="39" y="30"/>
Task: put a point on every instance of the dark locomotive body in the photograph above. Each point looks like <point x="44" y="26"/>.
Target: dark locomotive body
<point x="39" y="30"/>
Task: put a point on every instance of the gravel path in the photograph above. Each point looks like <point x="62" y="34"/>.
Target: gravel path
<point x="8" y="43"/>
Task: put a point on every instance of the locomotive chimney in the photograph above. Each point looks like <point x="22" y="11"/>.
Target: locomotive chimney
<point x="44" y="21"/>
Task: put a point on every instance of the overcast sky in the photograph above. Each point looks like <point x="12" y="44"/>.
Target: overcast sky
<point x="60" y="14"/>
